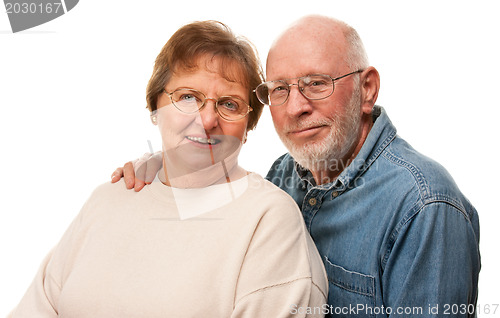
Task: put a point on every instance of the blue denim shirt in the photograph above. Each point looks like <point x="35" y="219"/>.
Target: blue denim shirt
<point x="395" y="233"/>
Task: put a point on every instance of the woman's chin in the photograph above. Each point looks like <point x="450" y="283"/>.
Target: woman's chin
<point x="191" y="157"/>
<point x="185" y="165"/>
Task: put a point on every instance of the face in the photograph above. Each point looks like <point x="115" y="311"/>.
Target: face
<point x="315" y="131"/>
<point x="196" y="141"/>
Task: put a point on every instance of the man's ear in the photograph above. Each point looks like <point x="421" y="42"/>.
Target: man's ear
<point x="154" y="118"/>
<point x="370" y="85"/>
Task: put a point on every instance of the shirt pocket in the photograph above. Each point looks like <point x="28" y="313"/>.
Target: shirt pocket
<point x="351" y="294"/>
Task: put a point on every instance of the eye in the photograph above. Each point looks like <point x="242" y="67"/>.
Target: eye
<point x="316" y="84"/>
<point x="230" y="105"/>
<point x="188" y="98"/>
<point x="315" y="81"/>
<point x="279" y="88"/>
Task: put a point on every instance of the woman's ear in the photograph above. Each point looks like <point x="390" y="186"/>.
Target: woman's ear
<point x="154" y="118"/>
<point x="370" y="85"/>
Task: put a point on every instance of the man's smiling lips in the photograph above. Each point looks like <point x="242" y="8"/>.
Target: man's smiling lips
<point x="305" y="132"/>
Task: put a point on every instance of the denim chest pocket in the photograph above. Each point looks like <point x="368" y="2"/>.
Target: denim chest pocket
<point x="351" y="294"/>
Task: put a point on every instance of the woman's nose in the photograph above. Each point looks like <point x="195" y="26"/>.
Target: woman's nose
<point x="208" y="115"/>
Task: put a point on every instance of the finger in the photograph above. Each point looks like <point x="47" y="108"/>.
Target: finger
<point x="140" y="167"/>
<point x="117" y="175"/>
<point x="129" y="175"/>
<point x="154" y="164"/>
<point x="139" y="184"/>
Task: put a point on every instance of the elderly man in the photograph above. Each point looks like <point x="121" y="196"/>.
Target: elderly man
<point x="396" y="235"/>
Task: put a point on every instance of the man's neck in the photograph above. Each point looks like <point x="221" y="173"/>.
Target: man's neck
<point x="324" y="175"/>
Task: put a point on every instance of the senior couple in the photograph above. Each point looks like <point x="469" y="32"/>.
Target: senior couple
<point x="210" y="239"/>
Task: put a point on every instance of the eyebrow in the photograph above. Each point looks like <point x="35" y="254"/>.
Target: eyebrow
<point x="237" y="96"/>
<point x="297" y="77"/>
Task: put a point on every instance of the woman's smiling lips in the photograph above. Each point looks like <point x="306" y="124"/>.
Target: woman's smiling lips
<point x="202" y="141"/>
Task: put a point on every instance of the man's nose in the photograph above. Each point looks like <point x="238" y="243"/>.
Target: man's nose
<point x="297" y="104"/>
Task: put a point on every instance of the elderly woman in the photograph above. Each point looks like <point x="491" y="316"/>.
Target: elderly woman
<point x="207" y="239"/>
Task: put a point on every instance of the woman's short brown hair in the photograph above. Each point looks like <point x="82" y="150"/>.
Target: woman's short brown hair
<point x="215" y="40"/>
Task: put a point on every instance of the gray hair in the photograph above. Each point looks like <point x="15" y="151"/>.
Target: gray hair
<point x="356" y="57"/>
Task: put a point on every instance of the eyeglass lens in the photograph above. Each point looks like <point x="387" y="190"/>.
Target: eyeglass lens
<point x="190" y="101"/>
<point x="312" y="86"/>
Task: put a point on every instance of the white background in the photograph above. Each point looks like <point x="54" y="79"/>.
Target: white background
<point x="72" y="104"/>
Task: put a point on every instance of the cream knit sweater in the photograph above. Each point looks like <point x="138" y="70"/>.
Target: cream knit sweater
<point x="244" y="252"/>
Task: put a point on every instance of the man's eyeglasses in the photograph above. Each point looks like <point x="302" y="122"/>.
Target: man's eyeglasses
<point x="190" y="101"/>
<point x="314" y="87"/>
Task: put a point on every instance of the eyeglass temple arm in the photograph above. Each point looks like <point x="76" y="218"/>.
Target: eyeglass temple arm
<point x="337" y="78"/>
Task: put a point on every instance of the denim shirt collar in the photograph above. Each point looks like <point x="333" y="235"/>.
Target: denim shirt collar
<point x="379" y="137"/>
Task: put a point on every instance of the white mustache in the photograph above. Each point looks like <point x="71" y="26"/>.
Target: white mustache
<point x="307" y="124"/>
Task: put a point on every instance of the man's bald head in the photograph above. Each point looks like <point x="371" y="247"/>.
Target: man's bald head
<point x="324" y="33"/>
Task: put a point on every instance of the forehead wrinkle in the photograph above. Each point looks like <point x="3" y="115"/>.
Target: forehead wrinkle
<point x="232" y="87"/>
<point x="228" y="68"/>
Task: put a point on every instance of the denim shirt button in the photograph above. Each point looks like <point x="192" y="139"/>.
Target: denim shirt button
<point x="312" y="201"/>
<point x="335" y="194"/>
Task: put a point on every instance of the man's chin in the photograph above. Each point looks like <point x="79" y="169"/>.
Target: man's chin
<point x="317" y="155"/>
<point x="310" y="156"/>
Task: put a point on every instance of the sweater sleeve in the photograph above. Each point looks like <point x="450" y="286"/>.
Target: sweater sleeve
<point x="42" y="297"/>
<point x="282" y="274"/>
<point x="299" y="298"/>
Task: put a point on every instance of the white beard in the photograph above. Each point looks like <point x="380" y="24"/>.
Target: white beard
<point x="330" y="152"/>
